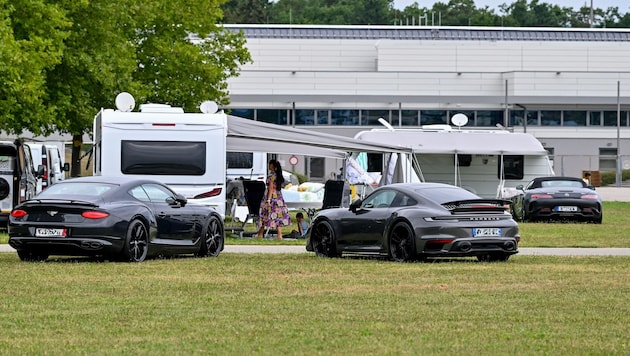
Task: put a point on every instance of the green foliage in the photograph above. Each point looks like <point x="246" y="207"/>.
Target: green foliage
<point x="610" y="177"/>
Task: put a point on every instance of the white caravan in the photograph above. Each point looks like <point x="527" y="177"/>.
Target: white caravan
<point x="186" y="151"/>
<point x="249" y="165"/>
<point x="489" y="163"/>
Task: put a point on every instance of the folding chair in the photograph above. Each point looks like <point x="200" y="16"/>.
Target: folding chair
<point x="333" y="194"/>
<point x="254" y="192"/>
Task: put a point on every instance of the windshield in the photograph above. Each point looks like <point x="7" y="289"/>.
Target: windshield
<point x="79" y="188"/>
<point x="443" y="195"/>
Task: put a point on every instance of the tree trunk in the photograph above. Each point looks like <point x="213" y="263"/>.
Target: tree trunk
<point x="77" y="142"/>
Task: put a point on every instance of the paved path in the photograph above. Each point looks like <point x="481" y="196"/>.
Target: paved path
<point x="525" y="251"/>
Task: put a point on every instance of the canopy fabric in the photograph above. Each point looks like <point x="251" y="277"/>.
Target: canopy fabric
<point x="245" y="135"/>
<point x="460" y="142"/>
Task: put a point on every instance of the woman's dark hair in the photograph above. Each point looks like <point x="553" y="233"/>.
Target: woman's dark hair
<point x="277" y="169"/>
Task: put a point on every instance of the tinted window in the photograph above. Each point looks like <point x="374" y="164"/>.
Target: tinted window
<point x="76" y="188"/>
<point x="380" y="199"/>
<point x="512" y="167"/>
<point x="157" y="193"/>
<point x="240" y="159"/>
<point x="163" y="157"/>
<point x="443" y="195"/>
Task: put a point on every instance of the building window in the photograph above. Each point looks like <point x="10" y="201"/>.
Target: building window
<point x="489" y="118"/>
<point x="433" y="117"/>
<point x="322" y="117"/>
<point x="304" y="117"/>
<point x="408" y="118"/>
<point x="245" y="113"/>
<point x="607" y="159"/>
<point x="370" y="117"/>
<point x="610" y="118"/>
<point x="574" y="118"/>
<point x="550" y="117"/>
<point x="344" y="117"/>
<point x="272" y="116"/>
<point x="317" y="167"/>
<point x="594" y="118"/>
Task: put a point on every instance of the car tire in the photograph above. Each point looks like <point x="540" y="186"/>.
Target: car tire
<point x="324" y="240"/>
<point x="31" y="256"/>
<point x="402" y="244"/>
<point x="136" y="245"/>
<point x="5" y="189"/>
<point x="212" y="238"/>
<point x="494" y="257"/>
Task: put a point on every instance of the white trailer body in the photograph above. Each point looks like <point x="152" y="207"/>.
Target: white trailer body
<point x="490" y="163"/>
<point x="186" y="151"/>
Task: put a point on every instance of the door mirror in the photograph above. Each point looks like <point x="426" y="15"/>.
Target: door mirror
<point x="519" y="187"/>
<point x="178" y="200"/>
<point x="355" y="205"/>
<point x="66" y="167"/>
<point x="40" y="171"/>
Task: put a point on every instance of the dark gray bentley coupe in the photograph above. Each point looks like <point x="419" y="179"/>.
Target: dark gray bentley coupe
<point x="411" y="221"/>
<point x="113" y="217"/>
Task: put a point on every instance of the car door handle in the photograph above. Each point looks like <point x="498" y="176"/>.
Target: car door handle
<point x="162" y="215"/>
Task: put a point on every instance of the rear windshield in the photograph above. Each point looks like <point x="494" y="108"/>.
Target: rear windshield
<point x="163" y="158"/>
<point x="77" y="188"/>
<point x="443" y="195"/>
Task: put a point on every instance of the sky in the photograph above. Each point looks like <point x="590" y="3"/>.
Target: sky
<point x="623" y="5"/>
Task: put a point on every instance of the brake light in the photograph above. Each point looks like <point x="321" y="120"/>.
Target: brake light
<point x="541" y="196"/>
<point x="94" y="214"/>
<point x="18" y="213"/>
<point x="163" y="124"/>
<point x="589" y="196"/>
<point x="213" y="193"/>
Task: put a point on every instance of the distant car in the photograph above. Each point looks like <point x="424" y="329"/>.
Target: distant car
<point x="410" y="221"/>
<point x="114" y="217"/>
<point x="557" y="198"/>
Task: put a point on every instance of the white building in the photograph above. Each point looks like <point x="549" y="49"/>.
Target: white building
<point x="570" y="84"/>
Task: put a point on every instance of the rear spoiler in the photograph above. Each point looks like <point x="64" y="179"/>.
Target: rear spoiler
<point x="59" y="201"/>
<point x="477" y="205"/>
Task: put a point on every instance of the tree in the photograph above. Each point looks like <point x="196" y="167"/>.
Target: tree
<point x="31" y="44"/>
<point x="145" y="50"/>
<point x="246" y="11"/>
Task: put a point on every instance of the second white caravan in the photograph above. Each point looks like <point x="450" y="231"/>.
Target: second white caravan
<point x="186" y="151"/>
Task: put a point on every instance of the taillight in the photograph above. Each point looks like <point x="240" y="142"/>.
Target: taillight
<point x="589" y="196"/>
<point x="541" y="196"/>
<point x="18" y="213"/>
<point x="94" y="214"/>
<point x="213" y="193"/>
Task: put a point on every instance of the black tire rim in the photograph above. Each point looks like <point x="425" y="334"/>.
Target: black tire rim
<point x="137" y="243"/>
<point x="323" y="240"/>
<point x="5" y="189"/>
<point x="214" y="237"/>
<point x="401" y="246"/>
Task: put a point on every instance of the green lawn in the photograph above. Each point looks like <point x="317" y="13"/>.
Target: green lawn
<point x="242" y="304"/>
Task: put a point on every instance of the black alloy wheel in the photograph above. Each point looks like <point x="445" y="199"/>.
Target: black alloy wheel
<point x="32" y="256"/>
<point x="323" y="240"/>
<point x="402" y="246"/>
<point x="137" y="242"/>
<point x="5" y="189"/>
<point x="212" y="238"/>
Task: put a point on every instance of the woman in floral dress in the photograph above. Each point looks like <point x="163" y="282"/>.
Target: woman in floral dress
<point x="273" y="211"/>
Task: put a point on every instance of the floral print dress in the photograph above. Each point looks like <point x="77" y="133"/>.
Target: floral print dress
<point x="273" y="213"/>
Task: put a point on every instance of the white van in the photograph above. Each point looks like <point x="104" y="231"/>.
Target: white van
<point x="57" y="166"/>
<point x="185" y="151"/>
<point x="40" y="158"/>
<point x="18" y="179"/>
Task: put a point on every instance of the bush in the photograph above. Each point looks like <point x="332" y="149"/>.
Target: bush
<point x="301" y="177"/>
<point x="610" y="177"/>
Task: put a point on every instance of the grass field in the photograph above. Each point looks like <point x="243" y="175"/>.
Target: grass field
<point x="301" y="304"/>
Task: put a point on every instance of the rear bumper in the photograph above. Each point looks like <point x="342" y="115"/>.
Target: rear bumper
<point x="472" y="246"/>
<point x="69" y="246"/>
<point x="548" y="209"/>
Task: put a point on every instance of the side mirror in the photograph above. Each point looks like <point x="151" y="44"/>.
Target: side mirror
<point x="355" y="205"/>
<point x="178" y="200"/>
<point x="66" y="167"/>
<point x="40" y="171"/>
<point x="520" y="187"/>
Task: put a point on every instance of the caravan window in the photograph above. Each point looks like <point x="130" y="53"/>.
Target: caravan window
<point x="512" y="167"/>
<point x="163" y="157"/>
<point x="240" y="160"/>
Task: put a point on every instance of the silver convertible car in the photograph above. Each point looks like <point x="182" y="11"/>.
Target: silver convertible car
<point x="411" y="221"/>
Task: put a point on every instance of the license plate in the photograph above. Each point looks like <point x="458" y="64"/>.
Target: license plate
<point x="45" y="232"/>
<point x="482" y="232"/>
<point x="567" y="208"/>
